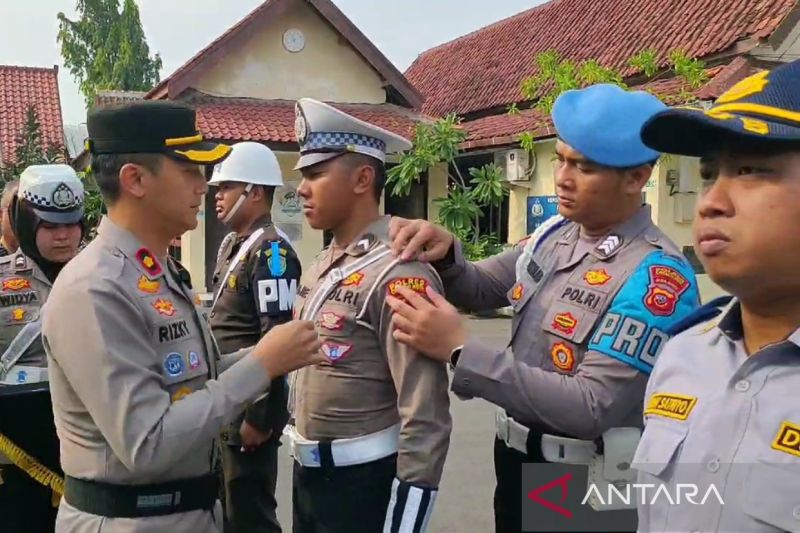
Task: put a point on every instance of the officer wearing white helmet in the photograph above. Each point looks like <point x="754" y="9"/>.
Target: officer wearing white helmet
<point x="46" y="213"/>
<point x="255" y="282"/>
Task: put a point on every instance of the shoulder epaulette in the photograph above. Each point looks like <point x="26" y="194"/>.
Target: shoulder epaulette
<point x="704" y="313"/>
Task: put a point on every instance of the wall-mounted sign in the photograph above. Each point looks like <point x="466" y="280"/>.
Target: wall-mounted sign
<point x="540" y="208"/>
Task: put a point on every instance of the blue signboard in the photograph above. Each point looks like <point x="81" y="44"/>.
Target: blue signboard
<point x="540" y="208"/>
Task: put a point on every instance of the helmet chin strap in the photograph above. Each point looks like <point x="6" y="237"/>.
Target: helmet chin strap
<point x="238" y="203"/>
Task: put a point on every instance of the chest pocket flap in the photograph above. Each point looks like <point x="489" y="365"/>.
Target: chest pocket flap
<point x="658" y="446"/>
<point x="771" y="495"/>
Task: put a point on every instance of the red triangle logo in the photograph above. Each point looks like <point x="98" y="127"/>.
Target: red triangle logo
<point x="535" y="495"/>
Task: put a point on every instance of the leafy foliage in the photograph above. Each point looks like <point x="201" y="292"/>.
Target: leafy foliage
<point x="106" y="48"/>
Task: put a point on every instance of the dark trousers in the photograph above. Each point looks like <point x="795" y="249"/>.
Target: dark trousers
<point x="250" y="480"/>
<point x="347" y="499"/>
<point x="25" y="504"/>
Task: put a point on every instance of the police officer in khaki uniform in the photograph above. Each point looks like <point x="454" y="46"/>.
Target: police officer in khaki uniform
<point x="372" y="420"/>
<point x="46" y="211"/>
<point x="593" y="291"/>
<point x="722" y="416"/>
<point x="255" y="283"/>
<point x="134" y="369"/>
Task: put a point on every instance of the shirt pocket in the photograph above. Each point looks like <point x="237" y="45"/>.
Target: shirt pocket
<point x="771" y="495"/>
<point x="185" y="370"/>
<point x="569" y="322"/>
<point x="658" y="447"/>
<point x="19" y="314"/>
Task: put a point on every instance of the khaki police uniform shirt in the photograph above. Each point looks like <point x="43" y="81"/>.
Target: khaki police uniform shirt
<point x="588" y="324"/>
<point x="370" y="381"/>
<point x="133" y="377"/>
<point x="23" y="291"/>
<point x="726" y="426"/>
<point x="258" y="294"/>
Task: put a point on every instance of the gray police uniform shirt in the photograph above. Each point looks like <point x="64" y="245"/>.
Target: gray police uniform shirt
<point x="133" y="377"/>
<point x="589" y="321"/>
<point x="23" y="290"/>
<point x="728" y="427"/>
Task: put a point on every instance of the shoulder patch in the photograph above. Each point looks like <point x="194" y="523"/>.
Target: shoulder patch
<point x="661" y="291"/>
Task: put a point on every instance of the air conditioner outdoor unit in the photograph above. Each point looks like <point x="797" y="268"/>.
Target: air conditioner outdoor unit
<point x="518" y="165"/>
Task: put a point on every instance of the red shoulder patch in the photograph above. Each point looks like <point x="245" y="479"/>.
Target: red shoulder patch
<point x="666" y="287"/>
<point x="148" y="262"/>
<point x="414" y="283"/>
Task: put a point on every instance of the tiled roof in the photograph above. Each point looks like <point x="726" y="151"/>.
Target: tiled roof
<point x="484" y="69"/>
<point x="235" y="119"/>
<point x="21" y="87"/>
<point x="182" y="79"/>
<point x="503" y="128"/>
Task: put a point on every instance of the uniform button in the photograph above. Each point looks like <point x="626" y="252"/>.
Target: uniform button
<point x="713" y="465"/>
<point x="212" y="314"/>
<point x="743" y="385"/>
<point x="467" y="381"/>
<point x="796" y="512"/>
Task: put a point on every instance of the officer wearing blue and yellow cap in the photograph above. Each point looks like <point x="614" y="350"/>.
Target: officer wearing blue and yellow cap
<point x="721" y="411"/>
<point x="593" y="291"/>
<point x="136" y="378"/>
<point x="371" y="422"/>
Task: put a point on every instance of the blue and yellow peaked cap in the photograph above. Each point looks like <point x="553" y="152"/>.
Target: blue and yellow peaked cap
<point x="603" y="122"/>
<point x="761" y="107"/>
<point x="324" y="132"/>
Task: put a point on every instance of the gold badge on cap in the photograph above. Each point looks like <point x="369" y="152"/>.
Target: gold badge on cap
<point x="300" y="125"/>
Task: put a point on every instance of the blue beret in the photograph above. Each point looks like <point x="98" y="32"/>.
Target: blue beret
<point x="764" y="107"/>
<point x="603" y="122"/>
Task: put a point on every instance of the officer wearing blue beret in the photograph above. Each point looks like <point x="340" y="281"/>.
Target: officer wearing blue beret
<point x="721" y="414"/>
<point x="593" y="291"/>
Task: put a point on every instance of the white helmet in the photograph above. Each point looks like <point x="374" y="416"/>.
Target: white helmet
<point x="249" y="162"/>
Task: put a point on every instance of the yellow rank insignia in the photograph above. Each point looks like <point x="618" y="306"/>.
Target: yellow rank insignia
<point x="18" y="314"/>
<point x="788" y="439"/>
<point x="146" y="285"/>
<point x="676" y="406"/>
<point x="181" y="393"/>
<point x="232" y="281"/>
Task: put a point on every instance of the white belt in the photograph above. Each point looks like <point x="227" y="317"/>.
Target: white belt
<point x="554" y="449"/>
<point x="345" y="452"/>
<point x="23" y="375"/>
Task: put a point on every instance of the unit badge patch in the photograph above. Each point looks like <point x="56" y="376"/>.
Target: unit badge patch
<point x="164" y="307"/>
<point x="331" y="321"/>
<point x="565" y="323"/>
<point x="335" y="351"/>
<point x="148" y="286"/>
<point x="563" y="356"/>
<point x="16" y="284"/>
<point x="788" y="439"/>
<point x="666" y="287"/>
<point x="596" y="277"/>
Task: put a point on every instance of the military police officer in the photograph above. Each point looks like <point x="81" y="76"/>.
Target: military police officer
<point x="372" y="420"/>
<point x="721" y="410"/>
<point x="133" y="366"/>
<point x="46" y="211"/>
<point x="255" y="283"/>
<point x="593" y="291"/>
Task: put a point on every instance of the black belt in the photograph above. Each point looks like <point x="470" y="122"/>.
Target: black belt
<point x="136" y="501"/>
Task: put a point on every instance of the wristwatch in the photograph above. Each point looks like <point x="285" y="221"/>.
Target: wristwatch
<point x="454" y="355"/>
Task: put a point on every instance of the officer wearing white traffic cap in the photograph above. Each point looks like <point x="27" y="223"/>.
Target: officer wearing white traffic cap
<point x="722" y="416"/>
<point x="255" y="282"/>
<point x="372" y="420"/>
<point x="46" y="214"/>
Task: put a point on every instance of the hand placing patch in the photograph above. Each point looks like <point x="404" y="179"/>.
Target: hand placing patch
<point x="661" y="291"/>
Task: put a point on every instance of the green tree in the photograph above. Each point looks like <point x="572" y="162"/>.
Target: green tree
<point x="460" y="211"/>
<point x="30" y="149"/>
<point x="107" y="49"/>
